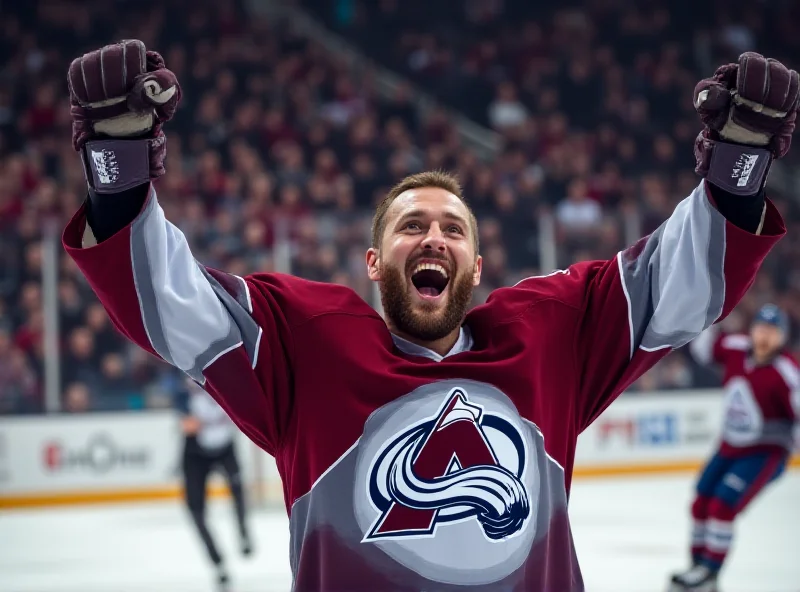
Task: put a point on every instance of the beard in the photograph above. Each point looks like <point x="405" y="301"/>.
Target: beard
<point x="427" y="321"/>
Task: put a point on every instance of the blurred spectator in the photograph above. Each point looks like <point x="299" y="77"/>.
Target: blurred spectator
<point x="506" y="111"/>
<point x="80" y="362"/>
<point x="577" y="213"/>
<point x="19" y="391"/>
<point x="77" y="398"/>
<point x="116" y="385"/>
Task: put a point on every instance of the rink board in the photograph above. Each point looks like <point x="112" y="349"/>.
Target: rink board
<point x="673" y="431"/>
<point x="121" y="457"/>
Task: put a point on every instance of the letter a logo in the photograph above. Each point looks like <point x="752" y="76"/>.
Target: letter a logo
<point x="445" y="470"/>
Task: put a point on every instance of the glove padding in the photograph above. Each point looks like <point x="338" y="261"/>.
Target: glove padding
<point x="123" y="91"/>
<point x="753" y="102"/>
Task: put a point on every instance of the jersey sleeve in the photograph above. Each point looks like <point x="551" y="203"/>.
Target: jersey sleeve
<point x="796" y="409"/>
<point x="657" y="295"/>
<point x="223" y="331"/>
<point x="714" y="347"/>
<point x="790" y="393"/>
<point x="705" y="347"/>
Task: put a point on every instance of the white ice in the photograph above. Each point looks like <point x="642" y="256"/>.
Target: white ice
<point x="630" y="534"/>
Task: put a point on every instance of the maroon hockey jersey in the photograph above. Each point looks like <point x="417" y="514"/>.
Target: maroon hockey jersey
<point x="404" y="470"/>
<point x="762" y="401"/>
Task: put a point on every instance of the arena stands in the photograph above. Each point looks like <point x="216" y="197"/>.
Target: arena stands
<point x="525" y="69"/>
<point x="281" y="148"/>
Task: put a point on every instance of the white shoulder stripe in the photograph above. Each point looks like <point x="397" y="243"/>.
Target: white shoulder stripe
<point x="788" y="371"/>
<point x="247" y="293"/>
<point x="737" y="342"/>
<point x="230" y="348"/>
<point x="538" y="277"/>
<point x="628" y="302"/>
<point x="655" y="349"/>
<point x="258" y="345"/>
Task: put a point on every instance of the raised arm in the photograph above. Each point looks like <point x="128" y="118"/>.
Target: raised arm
<point x="703" y="347"/>
<point x="661" y="293"/>
<point x="666" y="289"/>
<point x="221" y="330"/>
<point x="712" y="346"/>
<point x="789" y="393"/>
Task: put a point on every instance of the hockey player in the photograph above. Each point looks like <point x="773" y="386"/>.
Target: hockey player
<point x="762" y="412"/>
<point x="209" y="444"/>
<point x="432" y="450"/>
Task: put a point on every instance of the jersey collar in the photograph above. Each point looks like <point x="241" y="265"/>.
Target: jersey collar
<point x="462" y="344"/>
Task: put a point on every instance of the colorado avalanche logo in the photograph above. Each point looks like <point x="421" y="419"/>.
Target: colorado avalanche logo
<point x="448" y="469"/>
<point x="743" y="419"/>
<point x="738" y="416"/>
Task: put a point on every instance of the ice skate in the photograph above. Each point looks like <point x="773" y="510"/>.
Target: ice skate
<point x="699" y="578"/>
<point x="223" y="580"/>
<point x="246" y="546"/>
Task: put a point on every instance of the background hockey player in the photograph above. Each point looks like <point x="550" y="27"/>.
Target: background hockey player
<point x="209" y="445"/>
<point x="432" y="449"/>
<point x="762" y="416"/>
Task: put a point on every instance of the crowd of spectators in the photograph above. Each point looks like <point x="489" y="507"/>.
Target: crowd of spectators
<point x="280" y="150"/>
<point x="594" y="96"/>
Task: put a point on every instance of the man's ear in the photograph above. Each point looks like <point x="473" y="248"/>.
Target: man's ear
<point x="476" y="273"/>
<point x="373" y="265"/>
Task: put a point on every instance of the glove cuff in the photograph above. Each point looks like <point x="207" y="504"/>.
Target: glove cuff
<point x="738" y="169"/>
<point x="112" y="166"/>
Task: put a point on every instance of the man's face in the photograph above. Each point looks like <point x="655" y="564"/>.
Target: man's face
<point x="426" y="265"/>
<point x="767" y="339"/>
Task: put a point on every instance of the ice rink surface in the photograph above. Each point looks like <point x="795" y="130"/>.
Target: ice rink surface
<point x="630" y="534"/>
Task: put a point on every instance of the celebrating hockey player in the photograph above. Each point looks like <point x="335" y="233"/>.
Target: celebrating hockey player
<point x="432" y="450"/>
<point x="761" y="425"/>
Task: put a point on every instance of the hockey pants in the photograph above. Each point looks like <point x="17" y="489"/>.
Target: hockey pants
<point x="196" y="469"/>
<point x="726" y="486"/>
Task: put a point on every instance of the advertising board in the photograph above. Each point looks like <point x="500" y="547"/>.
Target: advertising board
<point x="136" y="456"/>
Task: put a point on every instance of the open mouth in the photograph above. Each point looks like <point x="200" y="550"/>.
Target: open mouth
<point x="430" y="279"/>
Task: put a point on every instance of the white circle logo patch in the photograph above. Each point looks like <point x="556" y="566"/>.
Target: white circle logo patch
<point x="448" y="475"/>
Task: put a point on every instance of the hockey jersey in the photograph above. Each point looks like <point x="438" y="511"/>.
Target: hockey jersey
<point x="216" y="431"/>
<point x="404" y="470"/>
<point x="761" y="408"/>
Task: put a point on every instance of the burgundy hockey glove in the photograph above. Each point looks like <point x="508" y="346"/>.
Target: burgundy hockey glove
<point x="121" y="95"/>
<point x="749" y="110"/>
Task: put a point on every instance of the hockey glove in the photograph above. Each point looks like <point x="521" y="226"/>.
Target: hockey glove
<point x="749" y="111"/>
<point x="121" y="95"/>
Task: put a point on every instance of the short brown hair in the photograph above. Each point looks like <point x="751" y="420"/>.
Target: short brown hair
<point x="440" y="179"/>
